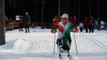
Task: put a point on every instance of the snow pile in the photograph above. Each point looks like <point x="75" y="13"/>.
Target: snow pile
<point x="22" y="46"/>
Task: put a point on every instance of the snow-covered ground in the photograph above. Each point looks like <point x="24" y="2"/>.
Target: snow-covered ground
<point x="39" y="45"/>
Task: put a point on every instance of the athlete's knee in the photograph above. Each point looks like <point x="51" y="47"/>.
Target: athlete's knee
<point x="65" y="47"/>
<point x="58" y="41"/>
<point x="70" y="40"/>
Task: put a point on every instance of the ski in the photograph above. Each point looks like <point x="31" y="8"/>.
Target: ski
<point x="64" y="56"/>
<point x="60" y="57"/>
<point x="68" y="58"/>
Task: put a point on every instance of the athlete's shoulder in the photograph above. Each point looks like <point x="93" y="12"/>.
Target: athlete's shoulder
<point x="60" y="23"/>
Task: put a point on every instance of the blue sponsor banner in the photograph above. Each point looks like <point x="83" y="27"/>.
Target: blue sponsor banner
<point x="105" y="24"/>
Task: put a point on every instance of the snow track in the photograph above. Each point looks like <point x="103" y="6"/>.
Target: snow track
<point x="39" y="45"/>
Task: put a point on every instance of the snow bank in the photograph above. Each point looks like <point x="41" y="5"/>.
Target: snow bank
<point x="22" y="46"/>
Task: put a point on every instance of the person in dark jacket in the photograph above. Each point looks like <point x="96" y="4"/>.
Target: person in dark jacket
<point x="91" y="25"/>
<point x="6" y="22"/>
<point x="26" y="21"/>
<point x="85" y="23"/>
<point x="98" y="24"/>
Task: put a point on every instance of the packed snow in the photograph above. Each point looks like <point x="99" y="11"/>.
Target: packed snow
<point x="40" y="44"/>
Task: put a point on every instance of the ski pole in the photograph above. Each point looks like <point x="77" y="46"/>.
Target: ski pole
<point x="54" y="42"/>
<point x="75" y="44"/>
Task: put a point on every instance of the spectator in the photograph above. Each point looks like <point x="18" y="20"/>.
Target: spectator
<point x="6" y="22"/>
<point x="20" y="22"/>
<point x="55" y="23"/>
<point x="71" y="20"/>
<point x="98" y="24"/>
<point x="26" y="21"/>
<point x="81" y="26"/>
<point x="91" y="25"/>
<point x="85" y="23"/>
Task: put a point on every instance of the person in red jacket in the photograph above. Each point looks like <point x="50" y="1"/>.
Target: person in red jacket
<point x="71" y="20"/>
<point x="75" y="23"/>
<point x="55" y="24"/>
<point x="20" y="22"/>
<point x="91" y="25"/>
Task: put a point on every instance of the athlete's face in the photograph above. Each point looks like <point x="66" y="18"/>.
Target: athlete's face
<point x="64" y="21"/>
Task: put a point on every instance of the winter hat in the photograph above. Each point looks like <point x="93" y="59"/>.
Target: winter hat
<point x="26" y="13"/>
<point x="64" y="17"/>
